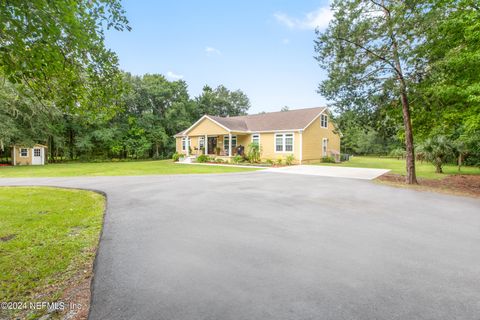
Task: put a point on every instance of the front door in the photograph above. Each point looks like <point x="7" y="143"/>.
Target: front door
<point x="212" y="145"/>
<point x="37" y="156"/>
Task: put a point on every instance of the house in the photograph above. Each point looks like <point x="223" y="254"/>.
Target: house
<point x="35" y="155"/>
<point x="307" y="134"/>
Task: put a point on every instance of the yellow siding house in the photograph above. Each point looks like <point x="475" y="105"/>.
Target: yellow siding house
<point x="307" y="134"/>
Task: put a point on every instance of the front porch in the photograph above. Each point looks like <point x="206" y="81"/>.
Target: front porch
<point x="220" y="146"/>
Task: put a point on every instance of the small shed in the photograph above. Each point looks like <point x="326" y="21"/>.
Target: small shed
<point x="35" y="155"/>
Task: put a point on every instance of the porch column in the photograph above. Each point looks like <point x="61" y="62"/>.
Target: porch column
<point x="229" y="144"/>
<point x="301" y="146"/>
<point x="205" y="144"/>
<point x="14" y="156"/>
<point x="187" y="146"/>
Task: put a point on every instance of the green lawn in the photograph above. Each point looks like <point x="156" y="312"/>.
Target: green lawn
<point x="47" y="236"/>
<point x="131" y="168"/>
<point x="424" y="170"/>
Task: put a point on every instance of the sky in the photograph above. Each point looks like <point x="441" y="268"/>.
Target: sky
<point x="264" y="48"/>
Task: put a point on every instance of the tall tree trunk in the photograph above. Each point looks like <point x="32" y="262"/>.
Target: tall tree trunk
<point x="438" y="166"/>
<point x="51" y="149"/>
<point x="407" y="123"/>
<point x="70" y="143"/>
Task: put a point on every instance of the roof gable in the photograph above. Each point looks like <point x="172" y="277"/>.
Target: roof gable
<point x="202" y="121"/>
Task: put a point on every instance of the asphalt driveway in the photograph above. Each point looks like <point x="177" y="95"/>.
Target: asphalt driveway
<point x="275" y="246"/>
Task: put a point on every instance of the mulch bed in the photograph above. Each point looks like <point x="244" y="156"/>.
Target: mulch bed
<point x="460" y="184"/>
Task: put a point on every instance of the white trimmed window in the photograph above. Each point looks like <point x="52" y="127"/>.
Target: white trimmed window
<point x="184" y="140"/>
<point x="256" y="138"/>
<point x="36" y="152"/>
<point x="323" y="121"/>
<point x="201" y="142"/>
<point x="284" y="142"/>
<point x="23" y="152"/>
<point x="225" y="143"/>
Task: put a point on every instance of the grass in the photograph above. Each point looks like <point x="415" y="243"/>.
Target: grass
<point x="47" y="236"/>
<point x="424" y="170"/>
<point x="132" y="168"/>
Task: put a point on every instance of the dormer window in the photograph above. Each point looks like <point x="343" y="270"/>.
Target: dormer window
<point x="323" y="121"/>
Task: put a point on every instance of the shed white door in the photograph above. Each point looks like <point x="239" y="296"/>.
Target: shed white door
<point x="37" y="156"/>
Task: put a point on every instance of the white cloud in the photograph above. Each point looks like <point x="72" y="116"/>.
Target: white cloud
<point x="318" y="18"/>
<point x="284" y="19"/>
<point x="174" y="76"/>
<point x="211" y="51"/>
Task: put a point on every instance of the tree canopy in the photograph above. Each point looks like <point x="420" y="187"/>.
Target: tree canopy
<point x="222" y="102"/>
<point x="150" y="111"/>
<point x="56" y="49"/>
<point x="396" y="68"/>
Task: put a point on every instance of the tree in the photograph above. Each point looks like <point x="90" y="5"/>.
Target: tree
<point x="222" y="102"/>
<point x="373" y="131"/>
<point x="161" y="109"/>
<point x="460" y="150"/>
<point x="448" y="97"/>
<point x="154" y="132"/>
<point x="368" y="50"/>
<point x="437" y="150"/>
<point x="56" y="49"/>
<point x="22" y="116"/>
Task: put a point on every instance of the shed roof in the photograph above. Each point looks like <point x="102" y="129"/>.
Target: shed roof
<point x="24" y="146"/>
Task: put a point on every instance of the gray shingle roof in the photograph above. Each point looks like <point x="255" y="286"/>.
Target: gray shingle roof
<point x="281" y="120"/>
<point x="232" y="123"/>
